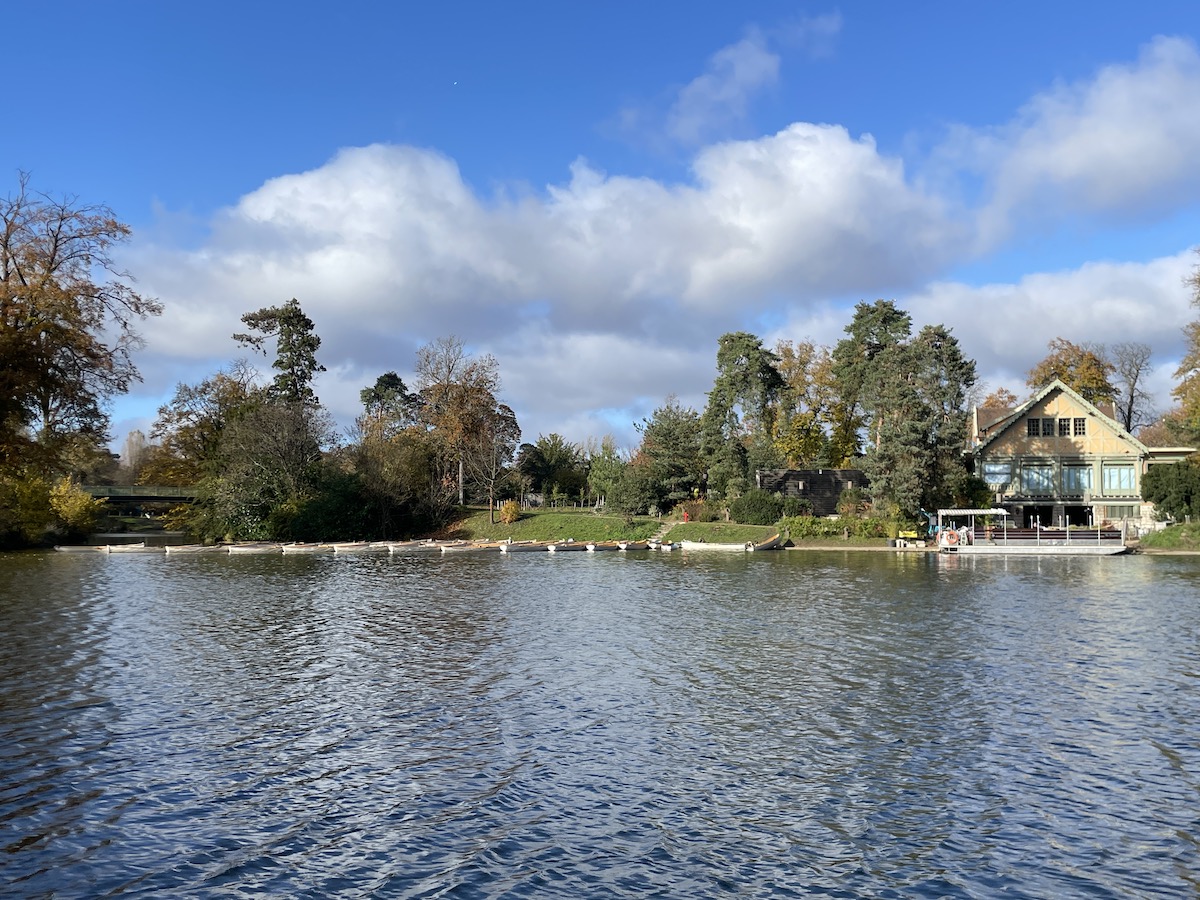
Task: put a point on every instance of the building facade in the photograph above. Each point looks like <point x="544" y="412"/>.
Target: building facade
<point x="1059" y="460"/>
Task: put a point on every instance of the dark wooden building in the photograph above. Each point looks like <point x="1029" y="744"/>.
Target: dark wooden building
<point x="820" y="487"/>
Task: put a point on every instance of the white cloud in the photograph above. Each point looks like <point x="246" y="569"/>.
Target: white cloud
<point x="386" y="248"/>
<point x="714" y="101"/>
<point x="1124" y="142"/>
<point x="1006" y="327"/>
<point x="602" y="295"/>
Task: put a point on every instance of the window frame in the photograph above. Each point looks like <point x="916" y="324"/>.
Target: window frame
<point x="1037" y="479"/>
<point x="1112" y="476"/>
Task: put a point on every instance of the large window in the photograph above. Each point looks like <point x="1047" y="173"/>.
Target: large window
<point x="1064" y="427"/>
<point x="997" y="472"/>
<point x="1047" y="428"/>
<point x="1118" y="478"/>
<point x="1080" y="427"/>
<point x="1037" y="479"/>
<point x="1077" y="479"/>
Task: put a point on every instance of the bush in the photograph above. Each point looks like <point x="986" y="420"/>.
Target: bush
<point x="75" y="510"/>
<point x="510" y="511"/>
<point x="701" y="511"/>
<point x="851" y="503"/>
<point x="800" y="527"/>
<point x="797" y="506"/>
<point x="756" y="507"/>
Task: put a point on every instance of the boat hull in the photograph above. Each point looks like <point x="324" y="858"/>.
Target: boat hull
<point x="1015" y="549"/>
<point x="706" y="546"/>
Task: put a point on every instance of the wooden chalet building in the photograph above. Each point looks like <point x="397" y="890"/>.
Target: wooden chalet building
<point x="1059" y="460"/>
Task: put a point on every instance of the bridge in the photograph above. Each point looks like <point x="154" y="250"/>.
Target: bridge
<point x="141" y="493"/>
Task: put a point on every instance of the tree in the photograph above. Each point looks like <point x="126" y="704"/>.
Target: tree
<point x="1187" y="391"/>
<point x="866" y="363"/>
<point x="553" y="464"/>
<point x="912" y="395"/>
<point x="296" y="345"/>
<point x="1082" y="367"/>
<point x="189" y="428"/>
<point x="604" y="468"/>
<point x="1131" y="368"/>
<point x="389" y="404"/>
<point x="489" y="450"/>
<point x="67" y="317"/>
<point x="1001" y="398"/>
<point x="1173" y="489"/>
<point x="1168" y="430"/>
<point x="271" y="465"/>
<point x="813" y="426"/>
<point x="739" y="416"/>
<point x="670" y="456"/>
<point x="457" y="394"/>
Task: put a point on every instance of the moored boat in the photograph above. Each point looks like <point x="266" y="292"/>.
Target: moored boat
<point x="600" y="546"/>
<point x="304" y="547"/>
<point x="715" y="545"/>
<point x="775" y="542"/>
<point x="472" y="547"/>
<point x="632" y="545"/>
<point x="421" y="546"/>
<point x="359" y="547"/>
<point x="525" y="547"/>
<point x="570" y="544"/>
<point x="254" y="547"/>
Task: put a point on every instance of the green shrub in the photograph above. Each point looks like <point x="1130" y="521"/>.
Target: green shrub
<point x="851" y="503"/>
<point x="756" y="507"/>
<point x="801" y="527"/>
<point x="75" y="510"/>
<point x="797" y="506"/>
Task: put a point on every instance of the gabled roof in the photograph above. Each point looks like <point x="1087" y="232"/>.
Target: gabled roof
<point x="1056" y="385"/>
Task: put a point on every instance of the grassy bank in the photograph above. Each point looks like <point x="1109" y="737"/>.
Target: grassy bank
<point x="1176" y="537"/>
<point x="551" y="525"/>
<point x="584" y="525"/>
<point x="720" y="532"/>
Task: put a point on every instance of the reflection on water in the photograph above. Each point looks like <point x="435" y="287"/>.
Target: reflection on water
<point x="852" y="724"/>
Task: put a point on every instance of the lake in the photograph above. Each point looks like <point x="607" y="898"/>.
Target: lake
<point x="599" y="725"/>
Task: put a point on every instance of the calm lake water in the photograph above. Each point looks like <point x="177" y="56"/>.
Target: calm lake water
<point x="578" y="725"/>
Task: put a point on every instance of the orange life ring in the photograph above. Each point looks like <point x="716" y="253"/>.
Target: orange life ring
<point x="951" y="537"/>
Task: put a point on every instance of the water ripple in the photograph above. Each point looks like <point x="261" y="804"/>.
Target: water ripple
<point x="842" y="725"/>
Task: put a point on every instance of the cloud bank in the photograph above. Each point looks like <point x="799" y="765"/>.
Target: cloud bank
<point x="602" y="294"/>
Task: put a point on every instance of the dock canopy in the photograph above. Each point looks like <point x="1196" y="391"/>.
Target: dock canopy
<point x="972" y="512"/>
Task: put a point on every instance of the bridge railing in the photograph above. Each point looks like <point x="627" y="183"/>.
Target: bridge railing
<point x="139" y="492"/>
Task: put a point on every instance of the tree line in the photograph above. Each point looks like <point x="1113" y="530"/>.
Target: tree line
<point x="267" y="461"/>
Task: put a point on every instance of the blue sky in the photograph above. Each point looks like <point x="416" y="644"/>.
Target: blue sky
<point x="595" y="193"/>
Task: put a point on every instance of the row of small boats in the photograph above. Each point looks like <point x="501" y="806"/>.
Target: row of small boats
<point x="421" y="546"/>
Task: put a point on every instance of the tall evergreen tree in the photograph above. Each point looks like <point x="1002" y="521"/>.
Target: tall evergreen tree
<point x="912" y="394"/>
<point x="296" y="346"/>
<point x="670" y="458"/>
<point x="738" y="422"/>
